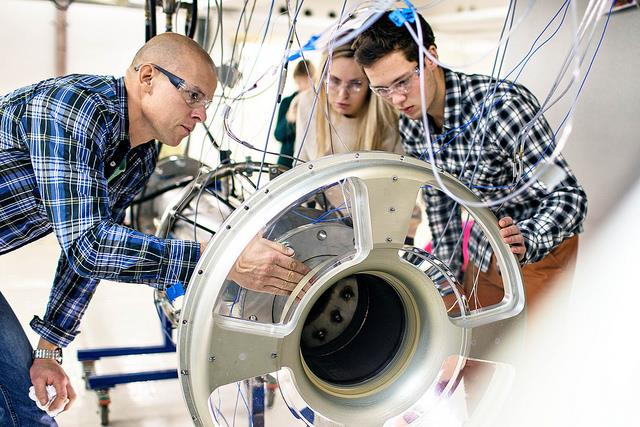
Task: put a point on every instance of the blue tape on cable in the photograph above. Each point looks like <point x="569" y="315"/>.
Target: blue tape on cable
<point x="306" y="413"/>
<point x="175" y="291"/>
<point x="400" y="16"/>
<point x="309" y="45"/>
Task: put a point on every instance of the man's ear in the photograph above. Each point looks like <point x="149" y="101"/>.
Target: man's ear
<point x="433" y="51"/>
<point x="145" y="77"/>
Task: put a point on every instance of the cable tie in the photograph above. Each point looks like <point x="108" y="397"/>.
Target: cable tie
<point x="400" y="16"/>
<point x="174" y="291"/>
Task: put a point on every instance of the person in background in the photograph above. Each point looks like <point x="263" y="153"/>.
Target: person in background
<point x="74" y="152"/>
<point x="303" y="75"/>
<point x="346" y="116"/>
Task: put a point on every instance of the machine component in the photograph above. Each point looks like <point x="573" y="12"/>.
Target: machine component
<point x="198" y="212"/>
<point x="169" y="177"/>
<point x="366" y="336"/>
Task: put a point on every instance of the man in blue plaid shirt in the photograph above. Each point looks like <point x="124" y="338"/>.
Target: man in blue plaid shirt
<point x="74" y="152"/>
<point x="490" y="136"/>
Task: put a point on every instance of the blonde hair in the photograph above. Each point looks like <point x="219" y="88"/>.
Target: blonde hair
<point x="373" y="123"/>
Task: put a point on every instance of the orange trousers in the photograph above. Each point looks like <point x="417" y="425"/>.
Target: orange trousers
<point x="539" y="278"/>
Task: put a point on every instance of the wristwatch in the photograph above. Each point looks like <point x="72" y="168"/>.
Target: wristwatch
<point x="55" y="354"/>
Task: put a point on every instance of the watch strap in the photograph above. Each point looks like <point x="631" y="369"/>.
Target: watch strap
<point x="43" y="353"/>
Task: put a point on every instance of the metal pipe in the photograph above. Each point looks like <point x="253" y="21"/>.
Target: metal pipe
<point x="61" y="39"/>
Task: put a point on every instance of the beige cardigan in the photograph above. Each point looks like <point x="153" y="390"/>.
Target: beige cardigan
<point x="344" y="131"/>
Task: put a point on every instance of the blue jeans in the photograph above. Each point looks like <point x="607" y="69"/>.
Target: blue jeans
<point x="16" y="408"/>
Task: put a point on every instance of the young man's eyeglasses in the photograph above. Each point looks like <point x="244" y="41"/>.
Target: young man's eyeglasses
<point x="191" y="94"/>
<point x="400" y="87"/>
<point x="334" y="84"/>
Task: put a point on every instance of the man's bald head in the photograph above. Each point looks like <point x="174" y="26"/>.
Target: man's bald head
<point x="171" y="49"/>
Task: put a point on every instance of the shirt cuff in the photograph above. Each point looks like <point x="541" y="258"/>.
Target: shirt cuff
<point x="52" y="333"/>
<point x="180" y="262"/>
<point x="527" y="229"/>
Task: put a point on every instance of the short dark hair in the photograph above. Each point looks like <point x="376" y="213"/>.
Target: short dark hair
<point x="304" y="68"/>
<point x="384" y="37"/>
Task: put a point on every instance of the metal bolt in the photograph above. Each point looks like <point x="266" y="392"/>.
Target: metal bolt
<point x="320" y="334"/>
<point x="274" y="355"/>
<point x="212" y="359"/>
<point x="185" y="321"/>
<point x="253" y="318"/>
<point x="394" y="178"/>
<point x="200" y="271"/>
<point x="310" y="166"/>
<point x="357" y="155"/>
<point x="392" y="209"/>
<point x="321" y="235"/>
<point x="228" y="227"/>
<point x="266" y="191"/>
<point x="336" y="316"/>
<point x="184" y="371"/>
<point x="389" y="239"/>
<point x="246" y="208"/>
<point x="347" y="293"/>
<point x="194" y="418"/>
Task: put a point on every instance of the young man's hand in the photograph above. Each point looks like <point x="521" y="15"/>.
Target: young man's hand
<point x="512" y="236"/>
<point x="266" y="266"/>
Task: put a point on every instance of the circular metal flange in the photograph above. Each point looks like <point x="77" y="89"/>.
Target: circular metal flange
<point x="217" y="348"/>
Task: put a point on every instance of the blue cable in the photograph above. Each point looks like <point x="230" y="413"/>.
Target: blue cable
<point x="246" y="405"/>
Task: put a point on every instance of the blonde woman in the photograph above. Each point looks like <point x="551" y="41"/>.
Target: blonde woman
<point x="347" y="116"/>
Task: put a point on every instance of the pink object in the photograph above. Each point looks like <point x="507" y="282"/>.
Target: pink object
<point x="467" y="225"/>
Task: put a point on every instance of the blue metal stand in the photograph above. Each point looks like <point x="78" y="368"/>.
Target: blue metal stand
<point x="256" y="388"/>
<point x="102" y="383"/>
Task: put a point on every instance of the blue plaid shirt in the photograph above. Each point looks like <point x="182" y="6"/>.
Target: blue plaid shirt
<point x="481" y="147"/>
<point x="61" y="144"/>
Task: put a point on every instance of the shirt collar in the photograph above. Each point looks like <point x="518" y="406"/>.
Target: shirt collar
<point x="452" y="99"/>
<point x="121" y="93"/>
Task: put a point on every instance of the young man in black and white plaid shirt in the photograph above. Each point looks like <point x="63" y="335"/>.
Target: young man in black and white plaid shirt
<point x="483" y="133"/>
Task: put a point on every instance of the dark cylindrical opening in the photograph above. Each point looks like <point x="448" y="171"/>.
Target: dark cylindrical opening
<point x="354" y="330"/>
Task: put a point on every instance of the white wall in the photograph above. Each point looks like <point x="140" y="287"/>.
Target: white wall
<point x="100" y="40"/>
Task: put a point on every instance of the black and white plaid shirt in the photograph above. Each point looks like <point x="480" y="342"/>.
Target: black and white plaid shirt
<point x="490" y="137"/>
